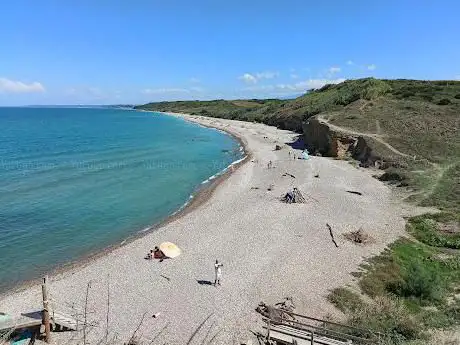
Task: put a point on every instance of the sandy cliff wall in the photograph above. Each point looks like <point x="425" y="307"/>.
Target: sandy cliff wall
<point x="320" y="139"/>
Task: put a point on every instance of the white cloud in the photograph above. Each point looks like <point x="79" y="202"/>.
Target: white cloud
<point x="457" y="77"/>
<point x="255" y="77"/>
<point x="301" y="86"/>
<point x="349" y="62"/>
<point x="309" y="84"/>
<point x="164" y="90"/>
<point x="248" y="78"/>
<point x="333" y="70"/>
<point x="371" y="67"/>
<point x="294" y="76"/>
<point x="266" y="75"/>
<point x="194" y="80"/>
<point x="12" y="86"/>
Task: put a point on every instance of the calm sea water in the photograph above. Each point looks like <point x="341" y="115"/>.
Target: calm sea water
<point x="73" y="180"/>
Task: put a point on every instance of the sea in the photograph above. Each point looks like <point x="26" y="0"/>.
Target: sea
<point x="74" y="181"/>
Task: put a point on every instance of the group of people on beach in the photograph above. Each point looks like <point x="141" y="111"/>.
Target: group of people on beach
<point x="157" y="253"/>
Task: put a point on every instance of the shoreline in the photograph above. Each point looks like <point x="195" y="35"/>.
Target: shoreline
<point x="270" y="249"/>
<point x="199" y="196"/>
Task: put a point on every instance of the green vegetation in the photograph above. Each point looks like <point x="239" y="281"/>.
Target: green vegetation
<point x="437" y="230"/>
<point x="418" y="118"/>
<point x="345" y="300"/>
<point x="413" y="126"/>
<point x="412" y="287"/>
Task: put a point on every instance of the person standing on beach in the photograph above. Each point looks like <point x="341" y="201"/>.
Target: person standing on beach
<point x="218" y="272"/>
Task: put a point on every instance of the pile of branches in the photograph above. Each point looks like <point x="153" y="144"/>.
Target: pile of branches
<point x="293" y="197"/>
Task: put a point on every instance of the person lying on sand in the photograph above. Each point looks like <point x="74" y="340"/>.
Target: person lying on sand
<point x="155" y="254"/>
<point x="158" y="254"/>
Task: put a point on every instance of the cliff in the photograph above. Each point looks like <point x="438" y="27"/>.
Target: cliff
<point x="409" y="128"/>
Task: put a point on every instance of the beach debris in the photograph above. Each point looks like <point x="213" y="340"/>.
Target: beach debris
<point x="332" y="235"/>
<point x="287" y="304"/>
<point x="354" y="192"/>
<point x="167" y="278"/>
<point x="255" y="188"/>
<point x="294" y="196"/>
<point x="358" y="237"/>
<point x="277" y="147"/>
<point x="273" y="313"/>
<point x="270" y="187"/>
<point x="287" y="174"/>
<point x="156" y="315"/>
<point x="317" y="175"/>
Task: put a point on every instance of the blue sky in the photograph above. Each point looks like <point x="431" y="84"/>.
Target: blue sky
<point x="120" y="51"/>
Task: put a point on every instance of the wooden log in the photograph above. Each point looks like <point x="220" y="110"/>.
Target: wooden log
<point x="332" y="235"/>
<point x="46" y="313"/>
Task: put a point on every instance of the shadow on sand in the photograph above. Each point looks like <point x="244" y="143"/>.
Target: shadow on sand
<point x="298" y="144"/>
<point x="204" y="282"/>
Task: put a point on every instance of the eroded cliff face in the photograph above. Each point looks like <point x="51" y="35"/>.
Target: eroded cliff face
<point x="320" y="139"/>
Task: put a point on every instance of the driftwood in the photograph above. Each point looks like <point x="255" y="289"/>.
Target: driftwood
<point x="273" y="313"/>
<point x="354" y="192"/>
<point x="287" y="174"/>
<point x="317" y="175"/>
<point x="358" y="237"/>
<point x="293" y="197"/>
<point x="332" y="235"/>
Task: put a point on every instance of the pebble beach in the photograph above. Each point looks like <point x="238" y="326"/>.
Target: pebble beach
<point x="269" y="249"/>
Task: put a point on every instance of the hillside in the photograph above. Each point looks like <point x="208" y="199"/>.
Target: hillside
<point x="409" y="127"/>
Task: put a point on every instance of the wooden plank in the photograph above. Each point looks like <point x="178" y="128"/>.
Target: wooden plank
<point x="286" y="334"/>
<point x="24" y="321"/>
<point x="19" y="323"/>
<point x="64" y="320"/>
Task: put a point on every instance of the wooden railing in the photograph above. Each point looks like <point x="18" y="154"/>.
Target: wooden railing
<point x="324" y="328"/>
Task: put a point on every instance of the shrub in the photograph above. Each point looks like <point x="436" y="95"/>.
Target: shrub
<point x="345" y="300"/>
<point x="427" y="98"/>
<point x="425" y="229"/>
<point x="388" y="316"/>
<point x="444" y="101"/>
<point x="421" y="282"/>
<point x="457" y="96"/>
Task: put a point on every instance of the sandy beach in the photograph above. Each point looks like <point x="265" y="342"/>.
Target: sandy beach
<point x="269" y="250"/>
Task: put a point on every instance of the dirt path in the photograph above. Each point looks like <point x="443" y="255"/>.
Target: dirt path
<point x="377" y="137"/>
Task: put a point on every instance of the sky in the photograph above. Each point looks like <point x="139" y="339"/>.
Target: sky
<point x="136" y="51"/>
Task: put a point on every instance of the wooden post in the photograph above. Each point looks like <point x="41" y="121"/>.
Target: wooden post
<point x="46" y="312"/>
<point x="312" y="338"/>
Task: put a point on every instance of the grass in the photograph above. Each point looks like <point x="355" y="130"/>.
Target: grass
<point x="345" y="300"/>
<point x="419" y="118"/>
<point x="411" y="286"/>
<point x="428" y="229"/>
<point x="446" y="191"/>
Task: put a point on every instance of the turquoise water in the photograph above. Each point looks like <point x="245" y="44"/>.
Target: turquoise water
<point x="74" y="181"/>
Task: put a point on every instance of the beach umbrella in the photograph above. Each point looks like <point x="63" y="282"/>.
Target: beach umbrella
<point x="170" y="249"/>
